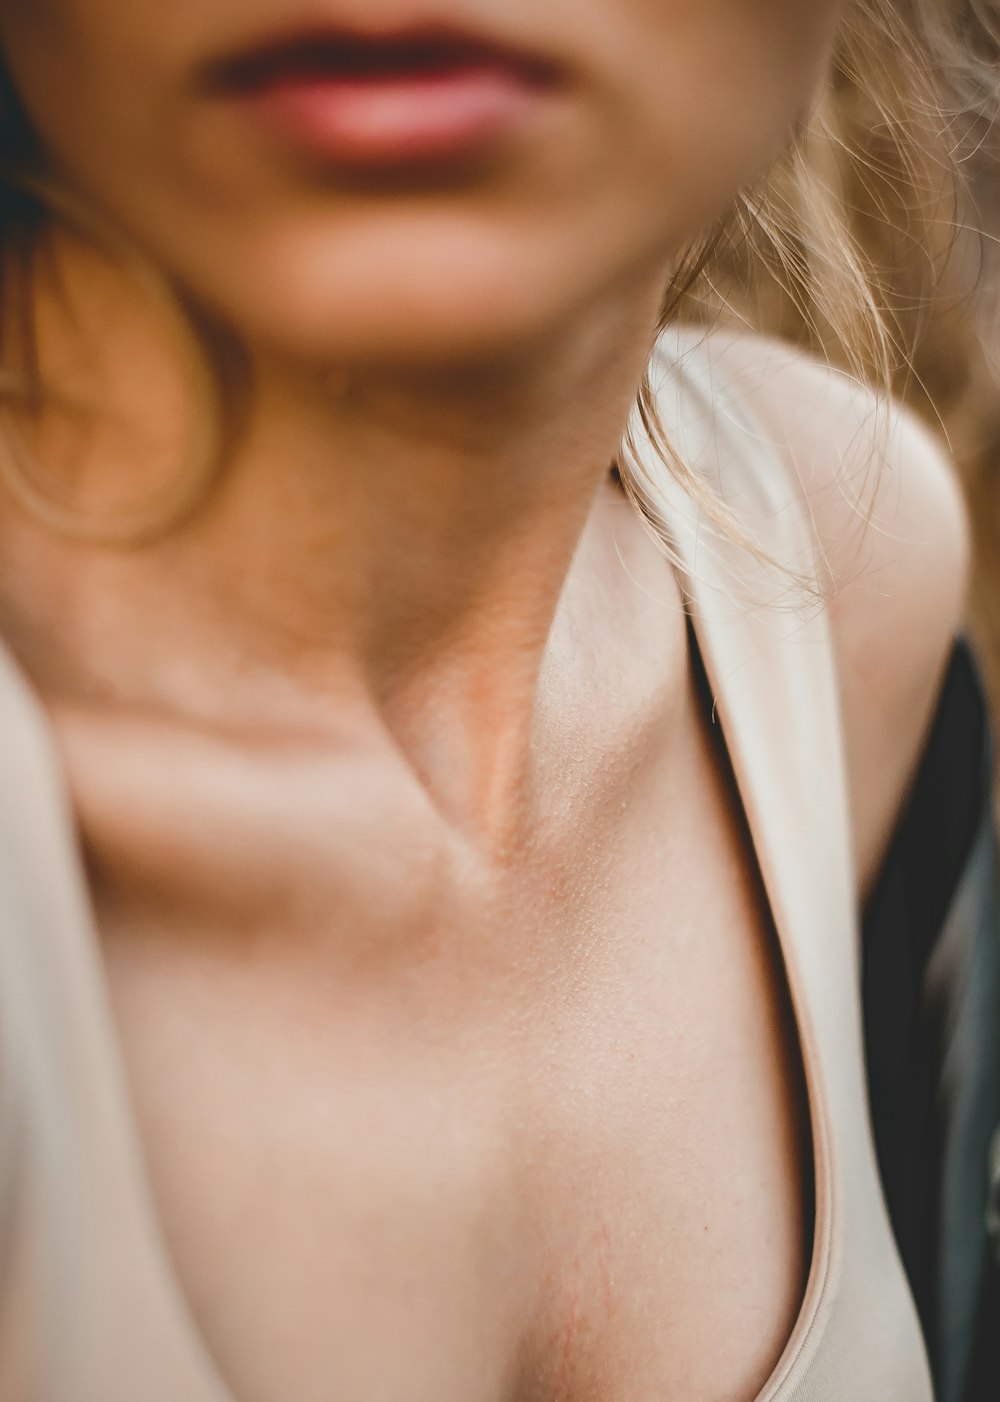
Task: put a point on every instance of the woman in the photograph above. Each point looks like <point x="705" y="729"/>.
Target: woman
<point x="401" y="995"/>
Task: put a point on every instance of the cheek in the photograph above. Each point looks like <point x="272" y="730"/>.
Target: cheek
<point x="78" y="66"/>
<point x="727" y="79"/>
<point x="104" y="81"/>
<point x="711" y="92"/>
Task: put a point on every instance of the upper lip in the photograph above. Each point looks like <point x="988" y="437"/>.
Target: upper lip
<point x="351" y="50"/>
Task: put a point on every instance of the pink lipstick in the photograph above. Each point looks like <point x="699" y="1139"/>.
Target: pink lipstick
<point x="386" y="101"/>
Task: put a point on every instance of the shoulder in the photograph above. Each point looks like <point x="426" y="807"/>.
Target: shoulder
<point x="890" y="527"/>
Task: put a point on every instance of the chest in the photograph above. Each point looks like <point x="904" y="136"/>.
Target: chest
<point x="557" y="1154"/>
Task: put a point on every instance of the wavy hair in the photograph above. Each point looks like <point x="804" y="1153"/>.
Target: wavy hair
<point x="861" y="246"/>
<point x="869" y="184"/>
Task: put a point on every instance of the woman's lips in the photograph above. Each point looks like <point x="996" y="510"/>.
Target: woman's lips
<point x="386" y="101"/>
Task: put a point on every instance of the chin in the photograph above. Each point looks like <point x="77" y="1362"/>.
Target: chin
<point x="361" y="329"/>
<point x="410" y="302"/>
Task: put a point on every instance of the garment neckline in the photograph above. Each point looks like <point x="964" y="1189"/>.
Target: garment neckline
<point x="817" y="1169"/>
<point x="765" y="851"/>
<point x="723" y="587"/>
<point x="138" y="1175"/>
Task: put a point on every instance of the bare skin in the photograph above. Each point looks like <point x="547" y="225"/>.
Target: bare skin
<point x="375" y="962"/>
<point x="454" y="1022"/>
<point x="375" y="919"/>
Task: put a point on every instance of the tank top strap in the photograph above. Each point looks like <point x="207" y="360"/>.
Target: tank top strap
<point x="82" y="1253"/>
<point x="751" y="588"/>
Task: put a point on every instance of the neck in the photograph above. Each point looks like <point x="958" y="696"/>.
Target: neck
<point x="397" y="545"/>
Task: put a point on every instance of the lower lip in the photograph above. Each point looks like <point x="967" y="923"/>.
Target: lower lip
<point x="400" y="120"/>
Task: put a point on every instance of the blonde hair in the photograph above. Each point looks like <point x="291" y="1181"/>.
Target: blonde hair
<point x="866" y="223"/>
<point x="787" y="258"/>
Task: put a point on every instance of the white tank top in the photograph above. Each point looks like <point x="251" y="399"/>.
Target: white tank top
<point x="90" y="1307"/>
